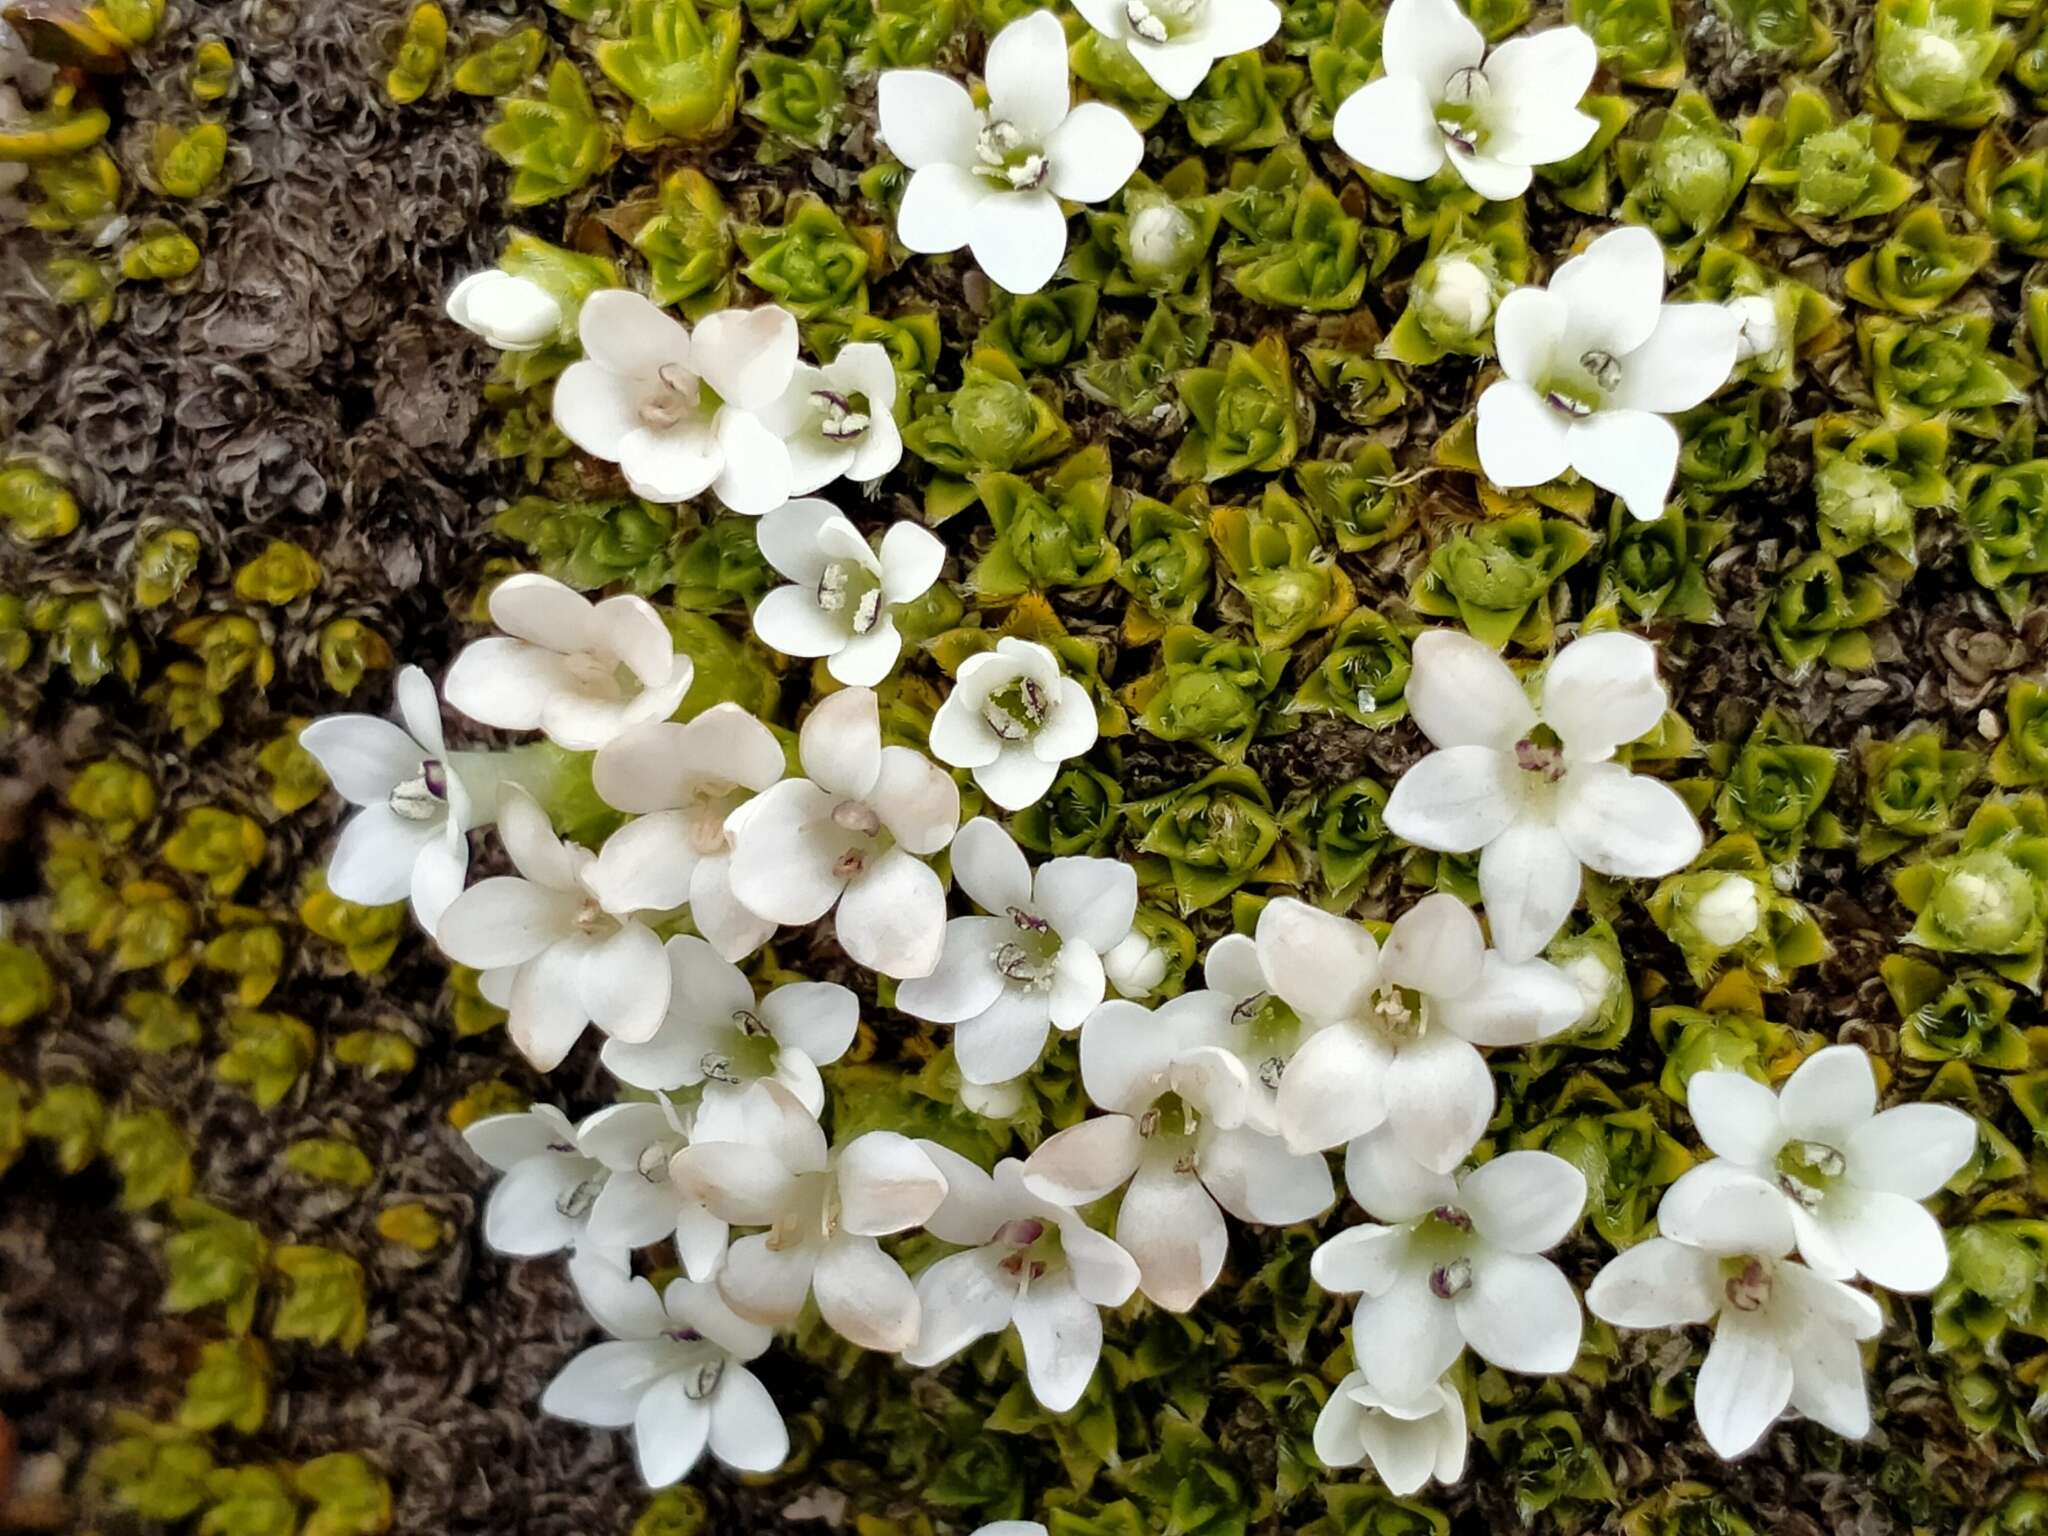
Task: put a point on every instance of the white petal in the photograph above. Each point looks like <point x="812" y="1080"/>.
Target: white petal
<point x="733" y="930"/>
<point x="1362" y="1259"/>
<point x="892" y="918"/>
<point x="1601" y="691"/>
<point x="1102" y="1271"/>
<point x="504" y="921"/>
<point x="864" y="1296"/>
<point x="1388" y="1184"/>
<point x="1827" y="1377"/>
<point x="960" y="737"/>
<point x="1688" y="356"/>
<point x="1631" y="453"/>
<point x="603" y="1385"/>
<point x="747" y="355"/>
<point x="1078" y="985"/>
<point x="1406" y="1338"/>
<point x="1090" y="902"/>
<point x="1541" y="76"/>
<point x="1736" y="1116"/>
<point x="840" y="744"/>
<point x="1529" y="876"/>
<point x="1255" y="1178"/>
<point x="374" y="858"/>
<point x="364" y="756"/>
<point x="1528" y="330"/>
<point x="1125" y="1056"/>
<point x="597" y="408"/>
<point x="1522" y="439"/>
<point x="1026" y="75"/>
<point x="1454" y="800"/>
<point x="624" y="332"/>
<point x="1017" y="778"/>
<point x="504" y="682"/>
<point x="670" y="1430"/>
<point x="917" y="801"/>
<point x="926" y="118"/>
<point x="1911" y="1150"/>
<point x="1435" y="947"/>
<point x="1339" y="1436"/>
<point x="886" y="1184"/>
<point x="1524" y="1202"/>
<point x="911" y="559"/>
<point x="1214" y="1082"/>
<point x="1719" y="1207"/>
<point x="1656" y="1284"/>
<point x="1512" y="1003"/>
<point x="1498" y="181"/>
<point x="1621" y="823"/>
<point x="1062" y="1337"/>
<point x="1070" y="729"/>
<point x="747" y="1432"/>
<point x="1831" y="1096"/>
<point x="504" y="1141"/>
<point x="1403" y="1451"/>
<point x="1743" y="1386"/>
<point x="1324" y="966"/>
<point x="1086" y="1161"/>
<point x="1333" y="1089"/>
<point x="754" y="474"/>
<point x="1389" y="126"/>
<point x="1019" y="238"/>
<point x="1463" y="694"/>
<point x="646" y="865"/>
<point x="965" y="982"/>
<point x="524" y="1216"/>
<point x="624" y="983"/>
<point x="989" y="866"/>
<point x="1092" y="154"/>
<point x="961" y="1298"/>
<point x="671" y="464"/>
<point x="545" y="1013"/>
<point x="1439" y="1097"/>
<point x="789" y="620"/>
<point x="1614" y="289"/>
<point x="632" y="1212"/>
<point x="1429" y="41"/>
<point x="1177" y="67"/>
<point x="940" y="209"/>
<point x="1171" y="1226"/>
<point x="1521" y="1314"/>
<point x="866" y="660"/>
<point x="788" y="536"/>
<point x="1891" y="1240"/>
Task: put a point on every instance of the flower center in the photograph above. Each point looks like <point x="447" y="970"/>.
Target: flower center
<point x="704" y="814"/>
<point x="840" y="419"/>
<point x="1582" y="390"/>
<point x="1541" y="755"/>
<point x="1400" y="1013"/>
<point x="1157" y="21"/>
<point x="1447" y="1282"/>
<point x="1006" y="157"/>
<point x="1034" y="1248"/>
<point x="576" y="1201"/>
<point x="652" y="1164"/>
<point x="1031" y="954"/>
<point x="424" y="796"/>
<point x="1017" y="710"/>
<point x="675" y="399"/>
<point x="859" y="818"/>
<point x="1748" y="1284"/>
<point x="1461" y="114"/>
<point x="1808" y="1169"/>
<point x="851" y="590"/>
<point x="701" y="1381"/>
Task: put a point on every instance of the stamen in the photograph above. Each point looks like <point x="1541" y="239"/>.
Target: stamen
<point x="1447" y="1282"/>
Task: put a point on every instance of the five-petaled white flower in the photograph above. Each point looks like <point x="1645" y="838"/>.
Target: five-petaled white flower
<point x="1783" y="1335"/>
<point x="1852" y="1177"/>
<point x="576" y="671"/>
<point x="1443" y="97"/>
<point x="1458" y="1262"/>
<point x="1392" y="1034"/>
<point x="674" y="1371"/>
<point x="1593" y="364"/>
<point x="843" y="594"/>
<point x="410" y="836"/>
<point x="513" y="314"/>
<point x="638" y="1203"/>
<point x="1536" y="791"/>
<point x="1177" y="42"/>
<point x="839" y="419"/>
<point x="823" y="1208"/>
<point x="1031" y="1263"/>
<point x="684" y="781"/>
<point x="1034" y="963"/>
<point x="1012" y="718"/>
<point x="993" y="180"/>
<point x="680" y="411"/>
<point x="718" y="1038"/>
<point x="1408" y="1440"/>
<point x="550" y="1184"/>
<point x="1176" y="1134"/>
<point x="854" y="834"/>
<point x="569" y="922"/>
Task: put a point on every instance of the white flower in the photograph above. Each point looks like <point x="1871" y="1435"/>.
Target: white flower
<point x="1029" y="1263"/>
<point x="678" y="411"/>
<point x="1536" y="791"/>
<point x="1727" y="912"/>
<point x="1176" y="1133"/>
<point x="993" y="180"/>
<point x="1408" y="1440"/>
<point x="568" y="922"/>
<point x="1783" y="1335"/>
<point x="638" y="1203"/>
<point x="410" y="837"/>
<point x="1136" y="965"/>
<point x="1263" y="1033"/>
<point x="1034" y="963"/>
<point x="844" y="594"/>
<point x="1012" y="718"/>
<point x="685" y="781"/>
<point x="1444" y="97"/>
<point x="1852" y="1178"/>
<point x="1177" y="42"/>
<point x="1593" y="364"/>
<point x="823" y="1210"/>
<point x="854" y="834"/>
<point x="674" y="1372"/>
<point x="1458" y="1262"/>
<point x="513" y="314"/>
<point x="1391" y="1036"/>
<point x="1010" y="1528"/>
<point x="550" y="1184"/>
<point x="717" y="1037"/>
<point x="578" y="672"/>
<point x="839" y="419"/>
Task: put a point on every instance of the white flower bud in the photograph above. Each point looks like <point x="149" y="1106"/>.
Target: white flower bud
<point x="1727" y="913"/>
<point x="1594" y="978"/>
<point x="511" y="313"/>
<point x="1757" y="314"/>
<point x="1135" y="965"/>
<point x="1159" y="236"/>
<point x="1461" y="295"/>
<point x="993" y="1101"/>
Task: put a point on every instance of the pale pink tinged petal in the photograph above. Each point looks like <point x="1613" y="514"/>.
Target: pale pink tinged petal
<point x="1656" y="1284"/>
<point x="1388" y="1184"/>
<point x="747" y="1432"/>
<point x="1614" y="289"/>
<point x="1631" y="453"/>
<point x="646" y="865"/>
<point x="864" y="1295"/>
<point x="918" y="802"/>
<point x="1689" y="355"/>
<point x="1365" y="1260"/>
<point x="911" y="559"/>
<point x="960" y="736"/>
<point x="1513" y="1003"/>
<point x="1088" y="901"/>
<point x="1439" y="1097"/>
<point x="1092" y="153"/>
<point x="636" y="770"/>
<point x="1019" y="238"/>
<point x="632" y="1212"/>
<point x="543" y="612"/>
<point x="788" y="537"/>
<point x="989" y="866"/>
<point x="602" y="1386"/>
<point x="1255" y="1178"/>
<point x="582" y="723"/>
<point x="504" y="921"/>
<point x="364" y="756"/>
<point x="1026" y="75"/>
<point x="727" y="745"/>
<point x="524" y="1217"/>
<point x="1177" y="68"/>
<point x="1827" y="1380"/>
<point x="1912" y="1150"/>
<point x="1454" y="800"/>
<point x="1831" y="1096"/>
<point x="965" y="981"/>
<point x="1522" y="439"/>
<point x="1497" y="181"/>
<point x="1389" y="126"/>
<point x="691" y="1304"/>
<point x="1435" y="947"/>
<point x="974" y="1206"/>
<point x="867" y="659"/>
<point x="1524" y="1202"/>
<point x="1521" y="1314"/>
<point x="840" y="743"/>
<point x="1601" y="691"/>
<point x="789" y="620"/>
<point x="1324" y="966"/>
<point x="1890" y="1239"/>
<point x="632" y="631"/>
<point x="545" y="1016"/>
<point x="1405" y="1337"/>
<point x="747" y="355"/>
<point x="505" y="1141"/>
<point x="1462" y="693"/>
<point x="892" y="917"/>
<point x="767" y="1284"/>
<point x="1528" y="329"/>
<point x="670" y="1430"/>
<point x="1720" y="1207"/>
<point x="1062" y="1337"/>
<point x="374" y="858"/>
<point x="1005" y="1039"/>
<point x="1333" y="1089"/>
<point x="505" y="683"/>
<point x="961" y="1298"/>
<point x="1016" y="779"/>
<point x="715" y="912"/>
<point x="1429" y="41"/>
<point x="1072" y="727"/>
<point x="1737" y="1117"/>
<point x="700" y="1242"/>
<point x="1529" y="877"/>
<point x="755" y="476"/>
<point x="1169" y="1223"/>
<point x="624" y="332"/>
<point x="1125" y="1056"/>
<point x="1102" y="1271"/>
<point x="886" y="1184"/>
<point x="1624" y="824"/>
<point x="625" y="983"/>
<point x="671" y="464"/>
<point x="926" y="118"/>
<point x="940" y="208"/>
<point x="818" y="1018"/>
<point x="1078" y="985"/>
<point x="1743" y="1386"/>
<point x="785" y="855"/>
<point x="737" y="1181"/>
<point x="597" y="409"/>
<point x="1086" y="1161"/>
